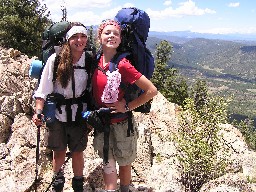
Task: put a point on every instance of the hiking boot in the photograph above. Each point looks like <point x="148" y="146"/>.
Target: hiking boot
<point x="78" y="184"/>
<point x="124" y="188"/>
<point x="58" y="184"/>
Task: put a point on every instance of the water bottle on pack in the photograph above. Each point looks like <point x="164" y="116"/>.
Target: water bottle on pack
<point x="86" y="114"/>
<point x="49" y="110"/>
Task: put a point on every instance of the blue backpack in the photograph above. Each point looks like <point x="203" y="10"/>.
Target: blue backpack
<point x="135" y="24"/>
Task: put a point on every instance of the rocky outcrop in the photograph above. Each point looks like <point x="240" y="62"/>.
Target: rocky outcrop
<point x="155" y="169"/>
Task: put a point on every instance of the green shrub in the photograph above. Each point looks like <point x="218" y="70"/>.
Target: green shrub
<point x="198" y="141"/>
<point x="247" y="129"/>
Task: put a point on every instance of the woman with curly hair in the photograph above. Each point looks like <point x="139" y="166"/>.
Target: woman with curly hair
<point x="108" y="94"/>
<point x="68" y="129"/>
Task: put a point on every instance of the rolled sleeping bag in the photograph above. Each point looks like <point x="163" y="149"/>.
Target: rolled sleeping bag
<point x="35" y="69"/>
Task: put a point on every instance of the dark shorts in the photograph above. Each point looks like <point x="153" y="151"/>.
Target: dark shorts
<point x="60" y="135"/>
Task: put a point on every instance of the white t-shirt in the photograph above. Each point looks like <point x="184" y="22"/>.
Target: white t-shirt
<point x="47" y="86"/>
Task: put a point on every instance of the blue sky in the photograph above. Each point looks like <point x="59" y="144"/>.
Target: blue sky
<point x="204" y="16"/>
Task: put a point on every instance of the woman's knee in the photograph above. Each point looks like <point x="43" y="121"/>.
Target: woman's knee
<point x="59" y="154"/>
<point x="77" y="154"/>
<point x="110" y="167"/>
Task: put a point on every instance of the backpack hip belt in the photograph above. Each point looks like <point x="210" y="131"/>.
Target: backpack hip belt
<point x="68" y="103"/>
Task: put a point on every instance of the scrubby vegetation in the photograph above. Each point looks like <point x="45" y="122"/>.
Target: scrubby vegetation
<point x="197" y="139"/>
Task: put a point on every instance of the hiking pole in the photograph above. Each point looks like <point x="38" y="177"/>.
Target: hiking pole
<point x="37" y="154"/>
<point x="36" y="180"/>
<point x="37" y="150"/>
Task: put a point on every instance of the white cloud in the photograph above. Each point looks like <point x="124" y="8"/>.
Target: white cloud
<point x="92" y="12"/>
<point x="190" y="8"/>
<point x="91" y="18"/>
<point x="185" y="9"/>
<point x="87" y="18"/>
<point x="83" y="11"/>
<point x="167" y="3"/>
<point x="237" y="4"/>
<point x="74" y="8"/>
<point x="86" y="4"/>
<point x="128" y="5"/>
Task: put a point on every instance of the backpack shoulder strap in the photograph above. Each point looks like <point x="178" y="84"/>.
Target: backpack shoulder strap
<point x="87" y="67"/>
<point x="89" y="60"/>
<point x="116" y="59"/>
<point x="56" y="63"/>
<point x="114" y="62"/>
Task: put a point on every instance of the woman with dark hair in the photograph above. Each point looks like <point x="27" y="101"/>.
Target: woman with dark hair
<point x="68" y="129"/>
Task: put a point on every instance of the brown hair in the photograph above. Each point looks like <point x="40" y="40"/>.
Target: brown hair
<point x="65" y="66"/>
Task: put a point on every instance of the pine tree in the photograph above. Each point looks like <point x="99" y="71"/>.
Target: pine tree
<point x="167" y="79"/>
<point x="91" y="40"/>
<point x="163" y="55"/>
<point x="200" y="94"/>
<point x="22" y="23"/>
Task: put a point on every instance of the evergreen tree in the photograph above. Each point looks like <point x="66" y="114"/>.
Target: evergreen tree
<point x="22" y="23"/>
<point x="91" y="40"/>
<point x="176" y="88"/>
<point x="200" y="94"/>
<point x="167" y="79"/>
<point x="163" y="55"/>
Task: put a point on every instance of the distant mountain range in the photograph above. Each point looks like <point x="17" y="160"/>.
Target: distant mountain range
<point x="187" y="35"/>
<point x="211" y="54"/>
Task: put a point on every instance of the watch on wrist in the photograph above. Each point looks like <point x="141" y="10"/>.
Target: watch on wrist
<point x="39" y="111"/>
<point x="127" y="107"/>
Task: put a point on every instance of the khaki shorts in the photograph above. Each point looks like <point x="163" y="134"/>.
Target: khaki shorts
<point x="121" y="148"/>
<point x="60" y="135"/>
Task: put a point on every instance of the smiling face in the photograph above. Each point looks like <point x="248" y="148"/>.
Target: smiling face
<point x="78" y="42"/>
<point x="110" y="37"/>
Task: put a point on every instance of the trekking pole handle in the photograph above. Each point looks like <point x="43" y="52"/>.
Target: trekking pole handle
<point x="39" y="116"/>
<point x="39" y="113"/>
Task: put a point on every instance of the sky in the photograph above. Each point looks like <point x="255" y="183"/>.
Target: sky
<point x="203" y="16"/>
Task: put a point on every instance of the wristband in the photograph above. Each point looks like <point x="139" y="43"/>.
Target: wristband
<point x="39" y="111"/>
<point x="127" y="107"/>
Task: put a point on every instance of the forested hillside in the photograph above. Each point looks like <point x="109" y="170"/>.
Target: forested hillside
<point x="218" y="58"/>
<point x="229" y="68"/>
